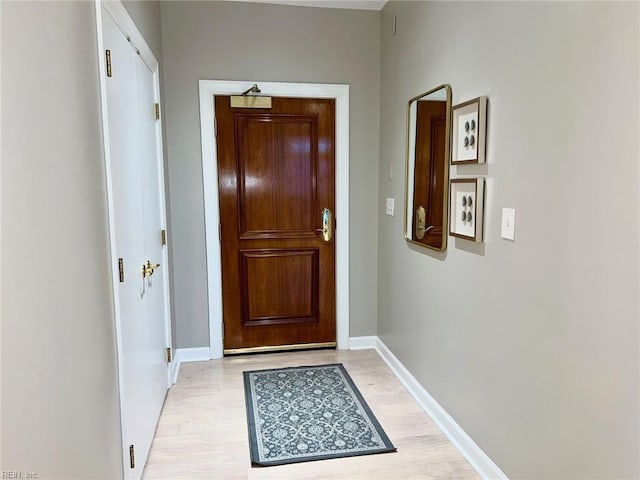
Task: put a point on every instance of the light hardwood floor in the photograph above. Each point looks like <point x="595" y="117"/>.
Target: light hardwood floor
<point x="202" y="433"/>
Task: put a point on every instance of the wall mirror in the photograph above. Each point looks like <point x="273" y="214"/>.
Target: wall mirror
<point x="427" y="168"/>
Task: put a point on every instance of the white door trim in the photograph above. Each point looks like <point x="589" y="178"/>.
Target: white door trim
<point x="122" y="19"/>
<point x="209" y="88"/>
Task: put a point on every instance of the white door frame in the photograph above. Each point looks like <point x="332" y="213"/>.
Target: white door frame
<point x="121" y="17"/>
<point x="210" y="88"/>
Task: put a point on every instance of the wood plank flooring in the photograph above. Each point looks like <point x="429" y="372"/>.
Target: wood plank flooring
<point x="202" y="432"/>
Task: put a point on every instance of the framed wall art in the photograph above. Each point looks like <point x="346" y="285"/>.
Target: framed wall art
<point x="467" y="208"/>
<point x="469" y="132"/>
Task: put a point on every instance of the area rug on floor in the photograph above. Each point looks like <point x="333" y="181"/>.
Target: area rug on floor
<point x="301" y="414"/>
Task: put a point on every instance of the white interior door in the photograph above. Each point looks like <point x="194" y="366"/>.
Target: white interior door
<point x="137" y="217"/>
<point x="155" y="287"/>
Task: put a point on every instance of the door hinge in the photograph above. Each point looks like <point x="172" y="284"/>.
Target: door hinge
<point x="163" y="237"/>
<point x="168" y="351"/>
<point x="132" y="457"/>
<point x="220" y="232"/>
<point x="121" y="270"/>
<point x="108" y="53"/>
<point x="157" y="111"/>
<point x="215" y="127"/>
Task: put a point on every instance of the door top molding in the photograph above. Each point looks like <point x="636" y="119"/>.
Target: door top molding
<point x="119" y="13"/>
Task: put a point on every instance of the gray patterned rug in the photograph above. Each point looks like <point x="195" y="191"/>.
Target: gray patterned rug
<point x="301" y="414"/>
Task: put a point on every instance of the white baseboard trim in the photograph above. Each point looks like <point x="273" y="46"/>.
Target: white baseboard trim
<point x="361" y="343"/>
<point x="183" y="355"/>
<point x="479" y="460"/>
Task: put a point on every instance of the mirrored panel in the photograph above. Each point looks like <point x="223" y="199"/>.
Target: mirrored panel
<point x="427" y="168"/>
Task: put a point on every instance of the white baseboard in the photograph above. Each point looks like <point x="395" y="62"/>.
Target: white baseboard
<point x="183" y="355"/>
<point x="479" y="460"/>
<point x="361" y="343"/>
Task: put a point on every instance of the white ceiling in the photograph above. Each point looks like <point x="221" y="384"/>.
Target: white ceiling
<point x="352" y="4"/>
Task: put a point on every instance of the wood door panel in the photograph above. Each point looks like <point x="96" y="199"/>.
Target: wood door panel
<point x="429" y="167"/>
<point x="276" y="173"/>
<point x="278" y="168"/>
<point x="280" y="286"/>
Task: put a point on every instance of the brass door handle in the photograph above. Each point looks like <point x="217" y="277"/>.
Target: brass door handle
<point x="148" y="268"/>
<point x="327" y="225"/>
<point x="420" y="221"/>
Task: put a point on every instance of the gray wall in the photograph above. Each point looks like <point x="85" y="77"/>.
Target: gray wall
<point x="60" y="413"/>
<point x="239" y="41"/>
<point x="532" y="345"/>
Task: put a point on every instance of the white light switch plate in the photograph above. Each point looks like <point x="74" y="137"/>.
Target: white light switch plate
<point x="390" y="206"/>
<point x="509" y="223"/>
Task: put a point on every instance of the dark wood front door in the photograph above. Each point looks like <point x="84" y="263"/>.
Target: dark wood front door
<point x="430" y="164"/>
<point x="275" y="178"/>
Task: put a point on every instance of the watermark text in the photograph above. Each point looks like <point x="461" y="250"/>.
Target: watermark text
<point x="19" y="474"/>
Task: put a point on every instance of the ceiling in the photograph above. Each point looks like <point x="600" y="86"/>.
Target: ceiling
<point x="350" y="4"/>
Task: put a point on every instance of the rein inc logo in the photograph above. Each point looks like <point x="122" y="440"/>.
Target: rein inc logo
<point x="19" y="474"/>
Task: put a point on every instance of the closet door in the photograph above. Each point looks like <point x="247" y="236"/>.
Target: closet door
<point x="152" y="225"/>
<point x="137" y="218"/>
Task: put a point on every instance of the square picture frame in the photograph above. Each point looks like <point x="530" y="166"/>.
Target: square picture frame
<point x="469" y="135"/>
<point x="466" y="200"/>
